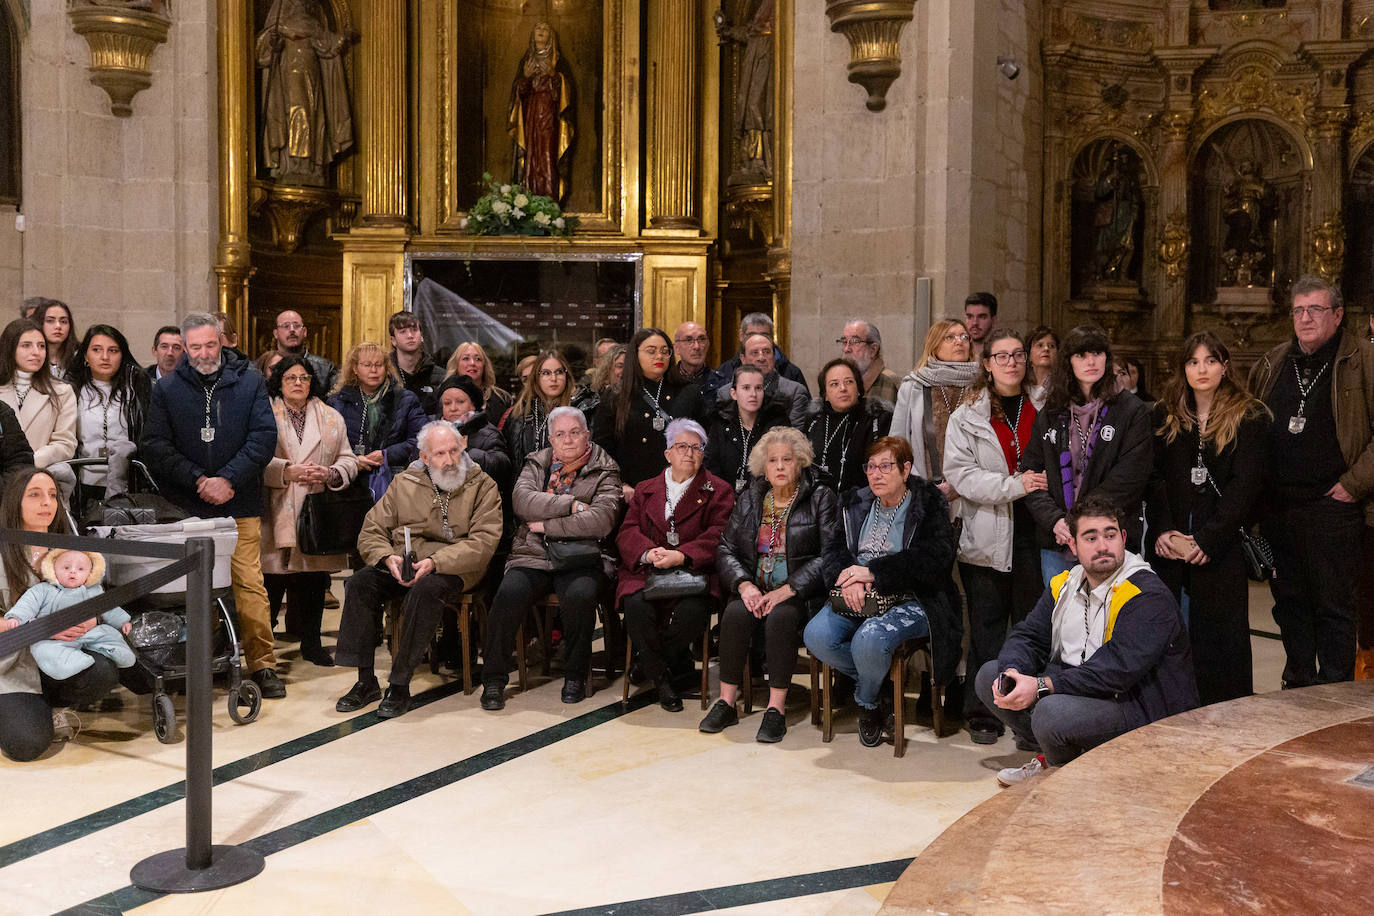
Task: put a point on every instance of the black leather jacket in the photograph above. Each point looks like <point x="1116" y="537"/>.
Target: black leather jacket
<point x="815" y="541"/>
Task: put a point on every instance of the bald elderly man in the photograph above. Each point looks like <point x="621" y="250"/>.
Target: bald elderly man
<point x="289" y="334"/>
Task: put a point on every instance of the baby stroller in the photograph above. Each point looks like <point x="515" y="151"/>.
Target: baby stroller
<point x="158" y="634"/>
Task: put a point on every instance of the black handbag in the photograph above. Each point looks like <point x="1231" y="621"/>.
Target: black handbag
<point x="678" y="582"/>
<point x="330" y="520"/>
<point x="1254" y="548"/>
<point x="875" y="605"/>
<point x="568" y="554"/>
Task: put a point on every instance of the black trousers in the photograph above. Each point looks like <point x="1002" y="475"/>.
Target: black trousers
<point x="1218" y="622"/>
<point x="1316" y="551"/>
<point x="781" y="632"/>
<point x="1364" y="591"/>
<point x="365" y="597"/>
<point x="578" y="592"/>
<point x="998" y="601"/>
<point x="304" y="593"/>
<point x="663" y="631"/>
<point x="26" y="718"/>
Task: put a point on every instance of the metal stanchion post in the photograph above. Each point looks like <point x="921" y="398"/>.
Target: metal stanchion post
<point x="199" y="866"/>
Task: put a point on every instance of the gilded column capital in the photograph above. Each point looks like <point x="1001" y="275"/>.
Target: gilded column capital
<point x="671" y="198"/>
<point x="1174" y="244"/>
<point x="122" y="42"/>
<point x="1176" y="125"/>
<point x="874" y="30"/>
<point x="1330" y="123"/>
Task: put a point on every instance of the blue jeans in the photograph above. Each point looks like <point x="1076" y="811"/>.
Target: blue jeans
<point x="863" y="649"/>
<point x="1054" y="562"/>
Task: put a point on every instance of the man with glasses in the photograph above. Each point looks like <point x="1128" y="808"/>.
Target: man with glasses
<point x="690" y="344"/>
<point x="861" y="342"/>
<point x="980" y="317"/>
<point x="724" y="374"/>
<point x="419" y="374"/>
<point x="290" y="333"/>
<point x="759" y="351"/>
<point x="1320" y="476"/>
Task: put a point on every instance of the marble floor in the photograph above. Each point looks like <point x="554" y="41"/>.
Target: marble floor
<point x="540" y="808"/>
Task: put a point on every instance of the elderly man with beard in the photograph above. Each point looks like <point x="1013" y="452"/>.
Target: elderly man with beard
<point x="452" y="511"/>
<point x="1104" y="651"/>
<point x="208" y="437"/>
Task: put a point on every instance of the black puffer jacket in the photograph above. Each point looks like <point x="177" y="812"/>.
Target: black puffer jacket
<point x="725" y="449"/>
<point x="921" y="568"/>
<point x="527" y="433"/>
<point x="814" y="539"/>
<point x="487" y="447"/>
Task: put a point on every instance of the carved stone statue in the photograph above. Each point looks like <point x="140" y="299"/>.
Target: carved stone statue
<point x="1115" y="217"/>
<point x="1247" y="250"/>
<point x="753" y="121"/>
<point x="541" y="117"/>
<point x="307" y="121"/>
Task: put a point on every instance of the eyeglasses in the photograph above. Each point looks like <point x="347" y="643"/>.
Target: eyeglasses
<point x="290" y="326"/>
<point x="553" y="373"/>
<point x="657" y="351"/>
<point x="1006" y="359"/>
<point x="1313" y="311"/>
<point x="853" y="342"/>
<point x="295" y="379"/>
<point x="884" y="467"/>
<point x="564" y="435"/>
<point x="963" y="337"/>
<point x="692" y="341"/>
<point x="371" y="365"/>
<point x="682" y="448"/>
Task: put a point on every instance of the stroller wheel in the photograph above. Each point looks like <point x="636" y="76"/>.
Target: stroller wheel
<point x="245" y="702"/>
<point x="164" y="719"/>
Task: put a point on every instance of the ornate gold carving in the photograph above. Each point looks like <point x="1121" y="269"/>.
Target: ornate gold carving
<point x="873" y="28"/>
<point x="1328" y="248"/>
<point x="1108" y="33"/>
<point x="122" y="41"/>
<point x="288" y="210"/>
<point x="1252" y="89"/>
<point x="234" y="60"/>
<point x="1362" y="132"/>
<point x="751" y="204"/>
<point x="1176" y="124"/>
<point x="1329" y="123"/>
<point x="1174" y="245"/>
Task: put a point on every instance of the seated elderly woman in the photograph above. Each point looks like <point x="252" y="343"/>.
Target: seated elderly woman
<point x="781" y="550"/>
<point x="668" y="559"/>
<point x="567" y="501"/>
<point x="898" y="551"/>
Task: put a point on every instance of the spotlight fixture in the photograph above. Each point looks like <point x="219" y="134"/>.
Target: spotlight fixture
<point x="1007" y="67"/>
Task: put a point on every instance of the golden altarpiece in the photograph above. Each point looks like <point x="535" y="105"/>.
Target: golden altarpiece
<point x="1200" y="156"/>
<point x="355" y="134"/>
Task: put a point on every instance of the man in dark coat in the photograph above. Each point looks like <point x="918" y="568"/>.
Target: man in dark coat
<point x="1104" y="651"/>
<point x="209" y="434"/>
<point x="724" y="374"/>
<point x="419" y="374"/>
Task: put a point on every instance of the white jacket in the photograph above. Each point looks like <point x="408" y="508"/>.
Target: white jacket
<point x="977" y="469"/>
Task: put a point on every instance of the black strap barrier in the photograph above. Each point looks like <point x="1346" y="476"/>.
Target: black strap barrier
<point x="200" y="866"/>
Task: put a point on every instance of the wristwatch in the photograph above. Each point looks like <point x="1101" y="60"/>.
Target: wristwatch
<point x="1042" y="689"/>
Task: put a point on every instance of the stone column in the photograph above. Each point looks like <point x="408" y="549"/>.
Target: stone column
<point x="672" y="201"/>
<point x="382" y="111"/>
<point x="236" y="128"/>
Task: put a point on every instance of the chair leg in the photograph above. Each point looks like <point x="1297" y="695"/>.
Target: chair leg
<point x="814" y="669"/>
<point x="625" y="697"/>
<point x="898" y="675"/>
<point x="465" y="641"/>
<point x="937" y="701"/>
<point x="747" y="688"/>
<point x="705" y="667"/>
<point x="520" y="658"/>
<point x="827" y="703"/>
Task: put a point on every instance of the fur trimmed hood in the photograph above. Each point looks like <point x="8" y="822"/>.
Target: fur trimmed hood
<point x="49" y="571"/>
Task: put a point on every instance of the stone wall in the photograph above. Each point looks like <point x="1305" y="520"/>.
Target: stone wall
<point x="120" y="213"/>
<point x="944" y="183"/>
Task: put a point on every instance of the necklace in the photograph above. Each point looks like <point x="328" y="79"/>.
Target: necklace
<point x="1198" y="475"/>
<point x="775" y="517"/>
<point x="1014" y="426"/>
<point x="1297" y="423"/>
<point x="540" y="422"/>
<point x="105" y="421"/>
<point x="825" y="448"/>
<point x="875" y="545"/>
<point x="441" y="499"/>
<point x="365" y="429"/>
<point x="671" y="510"/>
<point x="207" y="432"/>
<point x="742" y="475"/>
<point x="660" y="418"/>
<point x="1085" y="437"/>
<point x="949" y="408"/>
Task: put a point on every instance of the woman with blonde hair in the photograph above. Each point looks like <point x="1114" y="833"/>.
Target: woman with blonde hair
<point x="928" y="395"/>
<point x="470" y="359"/>
<point x="382" y="417"/>
<point x="548" y="387"/>
<point x="606" y="374"/>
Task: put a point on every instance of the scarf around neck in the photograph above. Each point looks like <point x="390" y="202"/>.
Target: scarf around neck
<point x="939" y="373"/>
<point x="561" y="475"/>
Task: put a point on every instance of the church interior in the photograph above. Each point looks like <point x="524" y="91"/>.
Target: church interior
<point x="1158" y="167"/>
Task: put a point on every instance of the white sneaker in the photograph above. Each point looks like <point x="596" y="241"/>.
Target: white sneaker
<point x="66" y="725"/>
<point x="1012" y="776"/>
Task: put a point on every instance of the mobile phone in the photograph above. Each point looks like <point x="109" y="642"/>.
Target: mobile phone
<point x="1006" y="684"/>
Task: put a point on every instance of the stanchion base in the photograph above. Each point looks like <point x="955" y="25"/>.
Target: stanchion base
<point x="167" y="873"/>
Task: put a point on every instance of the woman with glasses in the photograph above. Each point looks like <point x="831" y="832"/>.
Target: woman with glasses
<point x="313" y="453"/>
<point x="549" y="387"/>
<point x="1211" y="446"/>
<point x="471" y="359"/>
<point x="846" y="424"/>
<point x="383" y="417"/>
<point x="895" y="583"/>
<point x="674" y="522"/>
<point x="630" y="424"/>
<point x="112" y="394"/>
<point x="999" y="558"/>
<point x="929" y="394"/>
<point x="1090" y="438"/>
<point x="780" y="550"/>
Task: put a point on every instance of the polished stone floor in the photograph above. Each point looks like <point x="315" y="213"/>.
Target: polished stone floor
<point x="540" y="808"/>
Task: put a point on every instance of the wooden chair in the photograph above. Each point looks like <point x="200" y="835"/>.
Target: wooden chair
<point x="898" y="674"/>
<point x="611" y="634"/>
<point x="465" y="607"/>
<point x="705" y="666"/>
<point x="813" y="667"/>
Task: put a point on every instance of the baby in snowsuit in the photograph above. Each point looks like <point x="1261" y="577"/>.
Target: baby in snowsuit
<point x="71" y="576"/>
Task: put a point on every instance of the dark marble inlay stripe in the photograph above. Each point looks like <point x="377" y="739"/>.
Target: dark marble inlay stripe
<point x="318" y="825"/>
<point x="732" y="895"/>
<point x="1265" y="634"/>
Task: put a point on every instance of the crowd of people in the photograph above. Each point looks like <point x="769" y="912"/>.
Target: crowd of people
<point x="1076" y="551"/>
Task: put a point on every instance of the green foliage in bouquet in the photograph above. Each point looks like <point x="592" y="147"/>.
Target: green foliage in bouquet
<point x="509" y="209"/>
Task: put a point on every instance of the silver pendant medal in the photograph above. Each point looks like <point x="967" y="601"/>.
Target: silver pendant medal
<point x="207" y="434"/>
<point x="660" y="424"/>
<point x="1199" y="476"/>
<point x="1296" y="424"/>
<point x="672" y="539"/>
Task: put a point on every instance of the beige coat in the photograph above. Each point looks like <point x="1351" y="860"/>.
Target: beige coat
<point x="474" y="514"/>
<point x="48" y="422"/>
<point x="597" y="486"/>
<point x="325" y="442"/>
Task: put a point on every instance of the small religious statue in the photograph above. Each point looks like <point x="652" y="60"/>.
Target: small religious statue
<point x="753" y="115"/>
<point x="541" y="117"/>
<point x="307" y="123"/>
<point x="1246" y="206"/>
<point x="1116" y="215"/>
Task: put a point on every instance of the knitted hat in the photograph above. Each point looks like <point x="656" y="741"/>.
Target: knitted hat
<point x="465" y="384"/>
<point x="49" y="566"/>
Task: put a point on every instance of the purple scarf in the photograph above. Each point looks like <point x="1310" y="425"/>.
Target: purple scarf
<point x="1077" y="452"/>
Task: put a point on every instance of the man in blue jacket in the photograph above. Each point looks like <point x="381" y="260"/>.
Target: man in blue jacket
<point x="210" y="433"/>
<point x="1104" y="651"/>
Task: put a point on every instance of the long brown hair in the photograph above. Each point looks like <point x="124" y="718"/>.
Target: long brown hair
<point x="982" y="381"/>
<point x="1231" y="404"/>
<point x="530" y="390"/>
<point x="9" y="345"/>
<point x="1063" y="387"/>
<point x="18" y="573"/>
